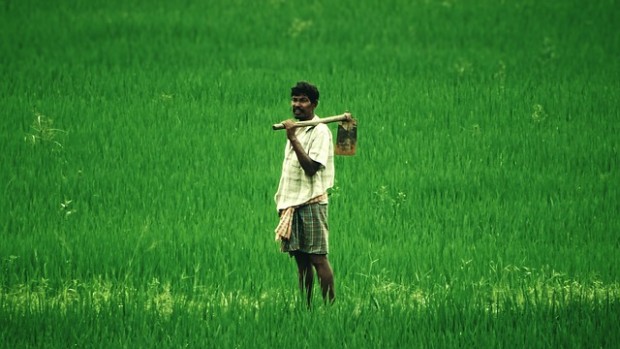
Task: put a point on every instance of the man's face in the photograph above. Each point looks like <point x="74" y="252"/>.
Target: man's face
<point x="303" y="109"/>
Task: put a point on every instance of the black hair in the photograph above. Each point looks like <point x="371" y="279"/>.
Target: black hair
<point x="307" y="89"/>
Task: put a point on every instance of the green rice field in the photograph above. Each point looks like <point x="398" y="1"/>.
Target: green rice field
<point x="138" y="168"/>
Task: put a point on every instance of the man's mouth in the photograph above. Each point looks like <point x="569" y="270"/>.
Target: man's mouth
<point x="297" y="111"/>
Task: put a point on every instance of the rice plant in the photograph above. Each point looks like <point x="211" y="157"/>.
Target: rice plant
<point x="139" y="167"/>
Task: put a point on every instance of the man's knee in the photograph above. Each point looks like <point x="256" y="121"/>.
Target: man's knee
<point x="319" y="259"/>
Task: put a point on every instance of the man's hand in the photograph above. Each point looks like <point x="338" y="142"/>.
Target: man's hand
<point x="289" y="125"/>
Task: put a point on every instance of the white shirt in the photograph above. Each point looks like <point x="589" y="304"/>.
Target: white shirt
<point x="296" y="187"/>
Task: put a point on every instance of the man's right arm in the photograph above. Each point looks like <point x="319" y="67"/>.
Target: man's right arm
<point x="309" y="166"/>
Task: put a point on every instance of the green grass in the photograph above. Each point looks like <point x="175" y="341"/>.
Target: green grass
<point x="138" y="169"/>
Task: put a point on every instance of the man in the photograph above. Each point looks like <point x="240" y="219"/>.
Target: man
<point x="301" y="199"/>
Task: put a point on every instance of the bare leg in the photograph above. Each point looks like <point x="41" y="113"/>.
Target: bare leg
<point x="326" y="276"/>
<point x="306" y="274"/>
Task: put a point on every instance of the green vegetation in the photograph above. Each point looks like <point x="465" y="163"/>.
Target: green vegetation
<point x="138" y="166"/>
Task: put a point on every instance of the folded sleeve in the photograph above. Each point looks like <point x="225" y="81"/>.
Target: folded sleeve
<point x="321" y="145"/>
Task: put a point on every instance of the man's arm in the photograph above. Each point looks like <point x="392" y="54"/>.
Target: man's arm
<point x="309" y="166"/>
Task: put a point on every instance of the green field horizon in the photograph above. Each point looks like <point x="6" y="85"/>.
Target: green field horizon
<point x="138" y="168"/>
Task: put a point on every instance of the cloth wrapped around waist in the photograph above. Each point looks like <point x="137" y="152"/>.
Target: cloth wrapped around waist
<point x="285" y="227"/>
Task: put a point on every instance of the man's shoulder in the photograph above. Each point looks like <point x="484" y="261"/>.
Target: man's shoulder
<point x="321" y="128"/>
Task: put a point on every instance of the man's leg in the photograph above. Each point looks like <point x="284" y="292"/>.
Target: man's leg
<point x="325" y="274"/>
<point x="306" y="274"/>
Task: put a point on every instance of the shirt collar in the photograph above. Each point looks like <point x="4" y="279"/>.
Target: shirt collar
<point x="308" y="128"/>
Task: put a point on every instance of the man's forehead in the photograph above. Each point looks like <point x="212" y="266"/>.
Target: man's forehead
<point x="301" y="99"/>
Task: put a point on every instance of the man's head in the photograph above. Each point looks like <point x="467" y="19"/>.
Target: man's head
<point x="304" y="99"/>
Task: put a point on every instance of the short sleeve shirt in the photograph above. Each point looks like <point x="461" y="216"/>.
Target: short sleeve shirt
<point x="296" y="187"/>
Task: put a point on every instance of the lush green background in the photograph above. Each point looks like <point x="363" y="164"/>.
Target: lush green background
<point x="138" y="168"/>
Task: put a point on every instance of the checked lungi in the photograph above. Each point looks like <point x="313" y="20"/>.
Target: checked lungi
<point x="309" y="231"/>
